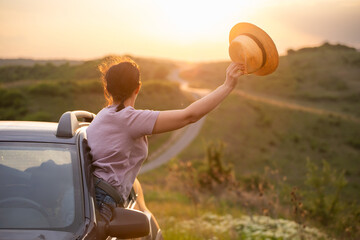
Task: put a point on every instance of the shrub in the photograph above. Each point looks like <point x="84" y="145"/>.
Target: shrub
<point x="90" y="86"/>
<point x="322" y="200"/>
<point x="48" y="89"/>
<point x="13" y="104"/>
<point x="325" y="185"/>
<point x="217" y="176"/>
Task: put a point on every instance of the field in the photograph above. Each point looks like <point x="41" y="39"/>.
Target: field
<point x="278" y="155"/>
<point x="298" y="160"/>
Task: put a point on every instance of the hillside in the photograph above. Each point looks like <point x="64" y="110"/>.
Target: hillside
<point x="327" y="77"/>
<point x="274" y="152"/>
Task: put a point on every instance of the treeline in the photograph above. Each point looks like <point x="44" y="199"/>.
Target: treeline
<point x="49" y="70"/>
<point x="150" y="69"/>
<point x="32" y="62"/>
<point x="13" y="104"/>
<point x="17" y="104"/>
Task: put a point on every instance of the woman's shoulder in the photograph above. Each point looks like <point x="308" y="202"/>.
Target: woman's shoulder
<point x="141" y="112"/>
<point x="127" y="113"/>
<point x="133" y="111"/>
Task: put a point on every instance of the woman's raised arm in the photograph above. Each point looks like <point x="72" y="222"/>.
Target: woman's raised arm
<point x="175" y="119"/>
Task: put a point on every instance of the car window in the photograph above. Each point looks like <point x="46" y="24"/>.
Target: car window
<point x="39" y="186"/>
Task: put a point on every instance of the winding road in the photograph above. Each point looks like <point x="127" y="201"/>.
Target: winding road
<point x="183" y="137"/>
<point x="296" y="106"/>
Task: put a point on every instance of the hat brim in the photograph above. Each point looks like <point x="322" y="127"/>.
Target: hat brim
<point x="268" y="45"/>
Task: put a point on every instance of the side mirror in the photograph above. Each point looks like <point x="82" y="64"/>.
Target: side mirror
<point x="128" y="223"/>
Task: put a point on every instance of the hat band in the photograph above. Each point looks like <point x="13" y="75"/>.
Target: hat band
<point x="260" y="46"/>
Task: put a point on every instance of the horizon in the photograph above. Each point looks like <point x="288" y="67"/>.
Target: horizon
<point x="187" y="31"/>
<point x="162" y="59"/>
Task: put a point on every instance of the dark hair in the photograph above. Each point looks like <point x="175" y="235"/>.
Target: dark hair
<point x="120" y="77"/>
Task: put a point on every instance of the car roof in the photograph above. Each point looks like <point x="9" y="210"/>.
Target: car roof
<point x="63" y="132"/>
<point x="28" y="131"/>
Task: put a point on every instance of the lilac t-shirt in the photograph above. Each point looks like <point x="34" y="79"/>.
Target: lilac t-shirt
<point x="119" y="145"/>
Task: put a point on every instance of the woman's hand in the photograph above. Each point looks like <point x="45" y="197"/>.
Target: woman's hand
<point x="233" y="72"/>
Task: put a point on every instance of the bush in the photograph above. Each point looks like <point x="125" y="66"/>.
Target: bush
<point x="322" y="200"/>
<point x="325" y="186"/>
<point x="48" y="89"/>
<point x="217" y="175"/>
<point x="90" y="86"/>
<point x="13" y="104"/>
<point x="14" y="73"/>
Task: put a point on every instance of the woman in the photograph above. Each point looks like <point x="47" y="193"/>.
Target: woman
<point x="117" y="136"/>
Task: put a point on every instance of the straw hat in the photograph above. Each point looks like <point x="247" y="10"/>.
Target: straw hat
<point x="249" y="44"/>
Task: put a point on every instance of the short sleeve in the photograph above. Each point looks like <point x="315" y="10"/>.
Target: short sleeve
<point x="142" y="122"/>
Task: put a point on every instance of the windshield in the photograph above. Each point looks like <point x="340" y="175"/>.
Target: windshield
<point x="39" y="186"/>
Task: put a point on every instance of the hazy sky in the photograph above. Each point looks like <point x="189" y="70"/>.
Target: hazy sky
<point x="185" y="30"/>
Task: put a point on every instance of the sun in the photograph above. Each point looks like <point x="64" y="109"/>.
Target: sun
<point x="190" y="20"/>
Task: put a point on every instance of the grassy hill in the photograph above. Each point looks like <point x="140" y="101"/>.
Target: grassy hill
<point x="274" y="152"/>
<point x="327" y="77"/>
<point x="268" y="150"/>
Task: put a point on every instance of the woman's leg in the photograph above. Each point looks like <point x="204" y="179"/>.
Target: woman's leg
<point x="140" y="205"/>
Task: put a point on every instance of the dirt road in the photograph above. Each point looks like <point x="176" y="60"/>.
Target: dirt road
<point x="295" y="106"/>
<point x="182" y="138"/>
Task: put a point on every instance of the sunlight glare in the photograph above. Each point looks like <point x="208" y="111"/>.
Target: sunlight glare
<point x="188" y="21"/>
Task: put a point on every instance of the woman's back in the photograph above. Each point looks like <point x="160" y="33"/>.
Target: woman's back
<point x="118" y="144"/>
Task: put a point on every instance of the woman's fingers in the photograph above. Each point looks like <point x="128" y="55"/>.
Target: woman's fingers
<point x="233" y="72"/>
<point x="231" y="67"/>
<point x="237" y="69"/>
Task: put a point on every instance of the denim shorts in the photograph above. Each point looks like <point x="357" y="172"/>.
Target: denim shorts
<point x="105" y="204"/>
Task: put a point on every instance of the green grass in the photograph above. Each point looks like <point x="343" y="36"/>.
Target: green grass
<point x="256" y="136"/>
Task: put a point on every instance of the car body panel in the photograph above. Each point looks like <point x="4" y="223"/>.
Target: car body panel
<point x="23" y="131"/>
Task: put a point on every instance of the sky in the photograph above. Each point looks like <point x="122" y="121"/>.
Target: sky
<point x="190" y="30"/>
